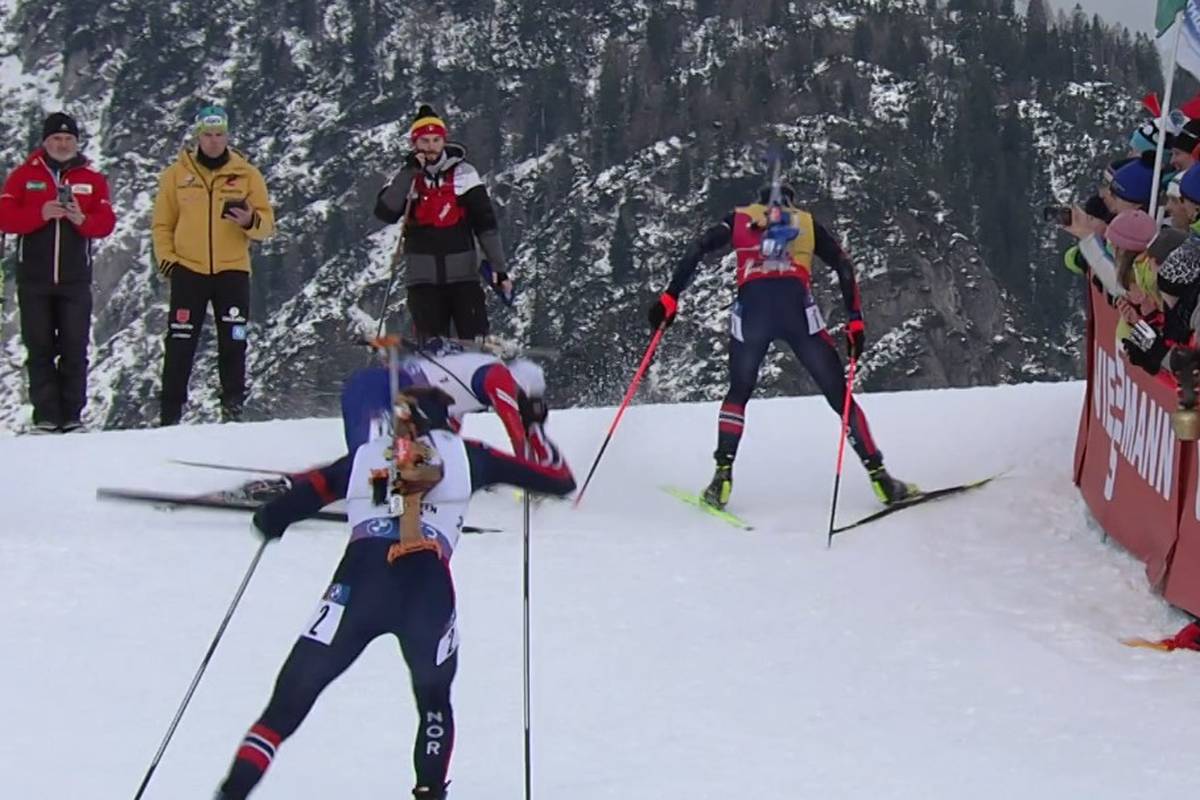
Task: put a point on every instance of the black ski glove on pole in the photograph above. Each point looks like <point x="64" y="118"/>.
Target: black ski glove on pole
<point x="663" y="310"/>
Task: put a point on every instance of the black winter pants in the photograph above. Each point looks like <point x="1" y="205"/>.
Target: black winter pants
<point x="56" y="323"/>
<point x="191" y="294"/>
<point x="435" y="306"/>
<point x="782" y="309"/>
<point x="413" y="600"/>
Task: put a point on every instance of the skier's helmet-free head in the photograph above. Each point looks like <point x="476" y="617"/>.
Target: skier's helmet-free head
<point x="419" y="407"/>
<point x="422" y="409"/>
<point x="787" y="195"/>
<point x="529" y="376"/>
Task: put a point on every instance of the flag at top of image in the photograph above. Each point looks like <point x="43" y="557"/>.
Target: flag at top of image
<point x="1185" y="29"/>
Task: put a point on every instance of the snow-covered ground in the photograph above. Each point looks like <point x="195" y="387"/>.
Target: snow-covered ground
<point x="961" y="649"/>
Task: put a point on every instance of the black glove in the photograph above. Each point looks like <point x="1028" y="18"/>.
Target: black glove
<point x="411" y="161"/>
<point x="856" y="338"/>
<point x="1150" y="359"/>
<point x="663" y="310"/>
<point x="165" y="268"/>
<point x="269" y="523"/>
<point x="534" y="410"/>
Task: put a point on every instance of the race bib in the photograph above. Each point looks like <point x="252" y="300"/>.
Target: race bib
<point x="448" y="644"/>
<point x="816" y="323"/>
<point x="328" y="617"/>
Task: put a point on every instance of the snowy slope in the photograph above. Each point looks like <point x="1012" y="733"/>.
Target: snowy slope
<point x="964" y="649"/>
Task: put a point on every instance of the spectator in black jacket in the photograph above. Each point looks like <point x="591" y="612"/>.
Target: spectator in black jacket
<point x="445" y="208"/>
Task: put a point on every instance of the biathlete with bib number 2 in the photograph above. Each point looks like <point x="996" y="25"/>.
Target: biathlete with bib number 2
<point x="775" y="243"/>
<point x="407" y="483"/>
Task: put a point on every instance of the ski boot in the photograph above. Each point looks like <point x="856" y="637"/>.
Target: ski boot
<point x="429" y="793"/>
<point x="889" y="490"/>
<point x="262" y="490"/>
<point x="721" y="486"/>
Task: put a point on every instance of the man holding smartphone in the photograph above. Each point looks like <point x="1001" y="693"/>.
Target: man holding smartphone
<point x="57" y="204"/>
<point x="211" y="204"/>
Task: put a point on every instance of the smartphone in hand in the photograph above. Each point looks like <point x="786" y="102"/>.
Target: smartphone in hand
<point x="1059" y="215"/>
<point x="232" y="204"/>
<point x="65" y="197"/>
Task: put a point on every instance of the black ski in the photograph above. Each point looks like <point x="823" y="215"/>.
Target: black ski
<point x="232" y="467"/>
<point x="222" y="501"/>
<point x="923" y="497"/>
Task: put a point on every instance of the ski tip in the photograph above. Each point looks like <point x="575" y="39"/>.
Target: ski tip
<point x="694" y="500"/>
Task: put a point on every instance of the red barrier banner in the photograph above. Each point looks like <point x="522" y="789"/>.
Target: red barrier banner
<point x="1183" y="578"/>
<point x="1085" y="416"/>
<point x="1131" y="461"/>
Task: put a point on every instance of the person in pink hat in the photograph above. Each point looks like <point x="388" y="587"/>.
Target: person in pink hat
<point x="1129" y="236"/>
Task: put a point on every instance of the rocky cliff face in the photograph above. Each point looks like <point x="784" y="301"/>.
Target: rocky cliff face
<point x="610" y="132"/>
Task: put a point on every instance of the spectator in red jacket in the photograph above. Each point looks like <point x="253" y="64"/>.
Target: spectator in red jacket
<point x="57" y="204"/>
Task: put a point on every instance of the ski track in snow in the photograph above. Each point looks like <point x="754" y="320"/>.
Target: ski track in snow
<point x="967" y="648"/>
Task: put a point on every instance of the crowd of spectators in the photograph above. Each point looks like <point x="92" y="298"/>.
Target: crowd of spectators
<point x="1148" y="266"/>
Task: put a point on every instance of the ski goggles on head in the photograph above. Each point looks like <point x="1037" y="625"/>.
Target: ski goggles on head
<point x="212" y="119"/>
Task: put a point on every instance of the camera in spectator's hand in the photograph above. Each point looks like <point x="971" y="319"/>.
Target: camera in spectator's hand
<point x="1185" y="363"/>
<point x="1059" y="215"/>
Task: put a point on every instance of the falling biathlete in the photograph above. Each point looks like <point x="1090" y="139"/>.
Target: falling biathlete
<point x="775" y="243"/>
<point x="407" y="491"/>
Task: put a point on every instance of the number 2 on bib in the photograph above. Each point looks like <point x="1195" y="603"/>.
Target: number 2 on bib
<point x="324" y="623"/>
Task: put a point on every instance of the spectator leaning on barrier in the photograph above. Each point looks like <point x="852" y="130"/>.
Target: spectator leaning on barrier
<point x="1130" y="190"/>
<point x="1128" y="236"/>
<point x="57" y="204"/>
<point x="211" y="204"/>
<point x="1179" y="286"/>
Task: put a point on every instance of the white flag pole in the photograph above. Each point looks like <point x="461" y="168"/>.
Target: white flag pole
<point x="1162" y="121"/>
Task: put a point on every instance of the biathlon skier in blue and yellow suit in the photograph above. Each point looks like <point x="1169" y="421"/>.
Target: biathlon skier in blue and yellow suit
<point x="775" y="244"/>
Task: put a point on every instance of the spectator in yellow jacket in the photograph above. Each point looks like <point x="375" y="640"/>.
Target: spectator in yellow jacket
<point x="211" y="204"/>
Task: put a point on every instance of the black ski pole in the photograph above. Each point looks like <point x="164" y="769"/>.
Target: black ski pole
<point x="212" y="648"/>
<point x="396" y="256"/>
<point x="528" y="724"/>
